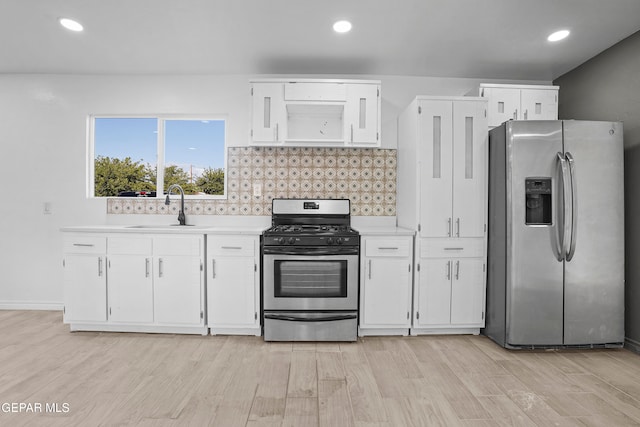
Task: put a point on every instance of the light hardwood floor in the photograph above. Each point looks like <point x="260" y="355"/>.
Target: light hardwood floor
<point x="149" y="380"/>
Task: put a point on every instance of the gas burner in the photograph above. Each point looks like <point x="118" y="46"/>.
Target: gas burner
<point x="311" y="223"/>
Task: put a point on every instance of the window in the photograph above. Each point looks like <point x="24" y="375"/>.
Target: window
<point x="134" y="156"/>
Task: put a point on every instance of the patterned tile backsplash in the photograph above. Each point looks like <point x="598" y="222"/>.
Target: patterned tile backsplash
<point x="365" y="176"/>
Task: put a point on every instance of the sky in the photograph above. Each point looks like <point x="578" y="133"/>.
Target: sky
<point x="190" y="144"/>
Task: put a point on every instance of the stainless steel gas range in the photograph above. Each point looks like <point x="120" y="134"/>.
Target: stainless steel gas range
<point x="310" y="259"/>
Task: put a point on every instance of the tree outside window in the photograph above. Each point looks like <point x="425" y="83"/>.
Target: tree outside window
<point x="126" y="152"/>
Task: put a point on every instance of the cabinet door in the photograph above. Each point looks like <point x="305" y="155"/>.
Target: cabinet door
<point x="386" y="292"/>
<point x="504" y="104"/>
<point x="130" y="289"/>
<point x="539" y="104"/>
<point x="434" y="293"/>
<point x="85" y="288"/>
<point x="231" y="287"/>
<point x="362" y="114"/>
<point x="469" y="170"/>
<point x="267" y="107"/>
<point x="435" y="168"/>
<point x="467" y="292"/>
<point x="178" y="291"/>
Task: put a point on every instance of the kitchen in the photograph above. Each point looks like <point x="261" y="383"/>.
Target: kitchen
<point x="55" y="148"/>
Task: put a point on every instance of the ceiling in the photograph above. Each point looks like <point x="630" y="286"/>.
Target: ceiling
<point x="491" y="39"/>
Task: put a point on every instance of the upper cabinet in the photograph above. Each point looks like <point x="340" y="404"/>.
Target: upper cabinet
<point x="442" y="147"/>
<point x="518" y="102"/>
<point x="267" y="106"/>
<point x="315" y="113"/>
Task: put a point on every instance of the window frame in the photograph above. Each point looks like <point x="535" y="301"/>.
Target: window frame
<point x="160" y="151"/>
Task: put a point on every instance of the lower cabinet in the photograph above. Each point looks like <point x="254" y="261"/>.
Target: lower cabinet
<point x="233" y="284"/>
<point x="385" y="285"/>
<point x="85" y="279"/>
<point x="178" y="292"/>
<point x="449" y="293"/>
<point x="145" y="283"/>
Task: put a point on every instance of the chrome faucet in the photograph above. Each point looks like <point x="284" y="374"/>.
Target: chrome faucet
<point x="181" y="218"/>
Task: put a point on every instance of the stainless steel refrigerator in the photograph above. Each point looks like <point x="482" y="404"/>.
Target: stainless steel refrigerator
<point x="555" y="274"/>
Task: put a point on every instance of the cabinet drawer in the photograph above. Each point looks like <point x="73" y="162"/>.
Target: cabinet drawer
<point x="232" y="245"/>
<point x="85" y="244"/>
<point x="130" y="245"/>
<point x="178" y="246"/>
<point x="451" y="248"/>
<point x="387" y="247"/>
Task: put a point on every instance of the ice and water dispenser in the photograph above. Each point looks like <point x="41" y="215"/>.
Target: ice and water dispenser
<point x="538" y="201"/>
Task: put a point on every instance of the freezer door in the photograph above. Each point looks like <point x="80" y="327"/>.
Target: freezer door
<point x="534" y="291"/>
<point x="594" y="276"/>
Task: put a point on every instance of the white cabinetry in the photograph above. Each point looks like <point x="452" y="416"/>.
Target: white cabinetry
<point x="362" y="114"/>
<point x="130" y="281"/>
<point x="450" y="286"/>
<point x="85" y="279"/>
<point x="442" y="146"/>
<point x="233" y="284"/>
<point x="452" y="168"/>
<point x="520" y="102"/>
<point x="268" y="112"/>
<point x="315" y="112"/>
<point x="385" y="292"/>
<point x="149" y="283"/>
<point x="178" y="291"/>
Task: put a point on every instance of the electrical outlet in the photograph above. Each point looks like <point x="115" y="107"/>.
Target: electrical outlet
<point x="257" y="190"/>
<point x="47" y="208"/>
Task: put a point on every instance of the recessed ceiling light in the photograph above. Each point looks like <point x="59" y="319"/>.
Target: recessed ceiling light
<point x="342" y="27"/>
<point x="558" y="35"/>
<point x="70" y="24"/>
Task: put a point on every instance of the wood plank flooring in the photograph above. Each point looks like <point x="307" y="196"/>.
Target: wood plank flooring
<point x="167" y="380"/>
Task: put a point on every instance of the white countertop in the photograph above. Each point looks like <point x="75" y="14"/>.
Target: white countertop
<point x="384" y="231"/>
<point x="165" y="229"/>
<point x="371" y="226"/>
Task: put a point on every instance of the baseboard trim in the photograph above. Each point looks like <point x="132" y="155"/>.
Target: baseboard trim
<point x="632" y="345"/>
<point x="30" y="305"/>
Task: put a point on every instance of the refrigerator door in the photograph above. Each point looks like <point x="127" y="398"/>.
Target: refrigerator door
<point x="594" y="274"/>
<point x="534" y="293"/>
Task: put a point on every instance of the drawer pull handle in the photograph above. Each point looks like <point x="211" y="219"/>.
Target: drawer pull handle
<point x="85" y="245"/>
<point x="388" y="249"/>
<point x="231" y="247"/>
<point x="454" y="249"/>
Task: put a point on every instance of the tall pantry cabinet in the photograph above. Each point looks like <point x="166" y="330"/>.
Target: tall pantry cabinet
<point x="442" y="194"/>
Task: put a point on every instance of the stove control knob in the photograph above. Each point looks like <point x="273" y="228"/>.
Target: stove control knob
<point x="339" y="240"/>
<point x="292" y="240"/>
<point x="330" y="240"/>
<point x="281" y="240"/>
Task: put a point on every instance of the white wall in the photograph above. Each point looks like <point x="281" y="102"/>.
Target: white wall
<point x="43" y="140"/>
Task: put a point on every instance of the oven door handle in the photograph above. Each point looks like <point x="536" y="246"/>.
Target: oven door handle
<point x="293" y="318"/>
<point x="332" y="250"/>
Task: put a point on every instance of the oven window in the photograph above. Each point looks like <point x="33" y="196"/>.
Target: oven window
<point x="310" y="279"/>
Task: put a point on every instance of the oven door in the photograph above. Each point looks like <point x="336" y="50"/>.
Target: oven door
<point x="310" y="278"/>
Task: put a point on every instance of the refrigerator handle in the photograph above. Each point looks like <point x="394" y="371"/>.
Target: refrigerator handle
<point x="564" y="233"/>
<point x="574" y="208"/>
